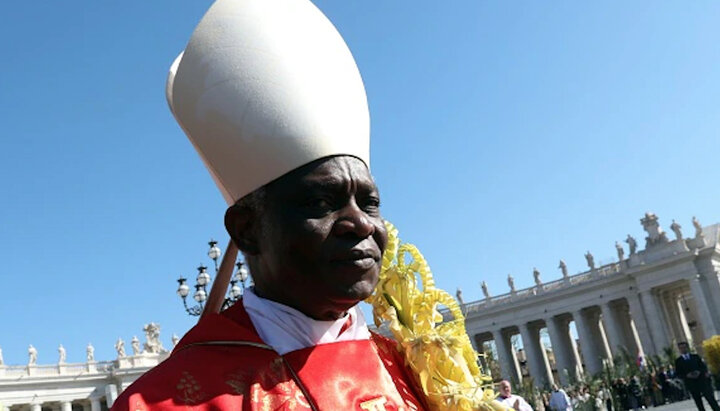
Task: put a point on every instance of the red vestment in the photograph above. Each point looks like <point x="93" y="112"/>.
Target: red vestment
<point x="222" y="364"/>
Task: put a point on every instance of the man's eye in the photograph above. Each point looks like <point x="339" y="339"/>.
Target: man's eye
<point x="319" y="203"/>
<point x="371" y="204"/>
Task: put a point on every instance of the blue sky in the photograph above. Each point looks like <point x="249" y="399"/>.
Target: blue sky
<point x="505" y="136"/>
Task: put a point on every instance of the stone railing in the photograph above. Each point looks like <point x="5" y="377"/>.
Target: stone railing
<point x="603" y="271"/>
<point x="47" y="370"/>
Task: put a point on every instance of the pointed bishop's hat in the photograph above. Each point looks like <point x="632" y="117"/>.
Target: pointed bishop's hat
<point x="266" y="86"/>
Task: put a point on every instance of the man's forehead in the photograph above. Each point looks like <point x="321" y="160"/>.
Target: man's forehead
<point x="331" y="171"/>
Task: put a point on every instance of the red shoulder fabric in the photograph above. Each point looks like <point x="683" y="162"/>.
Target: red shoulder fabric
<point x="223" y="364"/>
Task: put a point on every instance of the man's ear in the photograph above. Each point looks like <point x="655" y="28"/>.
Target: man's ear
<point x="242" y="225"/>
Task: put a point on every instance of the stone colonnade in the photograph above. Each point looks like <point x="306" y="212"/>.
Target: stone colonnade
<point x="93" y="404"/>
<point x="637" y="307"/>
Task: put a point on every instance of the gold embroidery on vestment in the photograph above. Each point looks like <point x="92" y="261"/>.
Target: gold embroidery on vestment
<point x="189" y="389"/>
<point x="377" y="404"/>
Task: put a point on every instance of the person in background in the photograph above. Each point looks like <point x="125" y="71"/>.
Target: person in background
<point x="559" y="400"/>
<point x="603" y="399"/>
<point x="694" y="373"/>
<point x="511" y="400"/>
<point x="634" y="393"/>
<point x="665" y="387"/>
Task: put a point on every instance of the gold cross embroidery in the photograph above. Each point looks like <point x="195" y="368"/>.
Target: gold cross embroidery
<point x="378" y="404"/>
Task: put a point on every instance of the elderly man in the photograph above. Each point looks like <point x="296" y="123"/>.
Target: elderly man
<point x="270" y="96"/>
<point x="511" y="400"/>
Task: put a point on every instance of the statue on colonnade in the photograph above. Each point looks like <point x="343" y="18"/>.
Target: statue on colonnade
<point x="135" y="345"/>
<point x="563" y="269"/>
<point x="152" y="339"/>
<point x="620" y="251"/>
<point x="62" y="354"/>
<point x="698" y="227"/>
<point x="511" y="283"/>
<point x="32" y="354"/>
<point x="90" y="350"/>
<point x="656" y="235"/>
<point x="590" y="260"/>
<point x="536" y="274"/>
<point x="120" y="348"/>
<point x="676" y="228"/>
<point x="632" y="243"/>
<point x="485" y="291"/>
<point x="459" y="295"/>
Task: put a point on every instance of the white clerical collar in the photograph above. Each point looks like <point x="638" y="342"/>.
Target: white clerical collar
<point x="286" y="329"/>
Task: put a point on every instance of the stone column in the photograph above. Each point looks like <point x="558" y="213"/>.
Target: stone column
<point x="712" y="286"/>
<point x="706" y="317"/>
<point x="37" y="407"/>
<point x="669" y="305"/>
<point x="658" y="330"/>
<point x="66" y="406"/>
<point x="94" y="404"/>
<point x="561" y="350"/>
<point x="593" y="365"/>
<point x="110" y="394"/>
<point x="684" y="323"/>
<point x="612" y="328"/>
<point x="641" y="325"/>
<point x="537" y="361"/>
<point x="602" y="338"/>
<point x="574" y="353"/>
<point x="508" y="362"/>
<point x="632" y="339"/>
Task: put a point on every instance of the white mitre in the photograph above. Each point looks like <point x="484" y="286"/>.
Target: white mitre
<point x="264" y="87"/>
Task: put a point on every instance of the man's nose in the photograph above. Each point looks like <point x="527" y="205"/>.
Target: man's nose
<point x="353" y="221"/>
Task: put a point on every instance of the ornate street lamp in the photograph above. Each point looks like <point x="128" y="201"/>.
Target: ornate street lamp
<point x="203" y="280"/>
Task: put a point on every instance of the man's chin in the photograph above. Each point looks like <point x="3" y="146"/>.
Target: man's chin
<point x="353" y="294"/>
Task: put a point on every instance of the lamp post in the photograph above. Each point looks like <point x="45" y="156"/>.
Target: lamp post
<point x="203" y="281"/>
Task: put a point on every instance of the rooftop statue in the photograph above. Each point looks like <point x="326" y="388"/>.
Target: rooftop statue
<point x="652" y="227"/>
<point x="485" y="291"/>
<point x="676" y="228"/>
<point x="32" y="354"/>
<point x="90" y="350"/>
<point x="563" y="268"/>
<point x="632" y="243"/>
<point x="152" y="337"/>
<point x="536" y="274"/>
<point x="120" y="348"/>
<point x="459" y="295"/>
<point x="135" y="343"/>
<point x="698" y="227"/>
<point x="590" y="260"/>
<point x="620" y="251"/>
<point x="62" y="354"/>
<point x="511" y="283"/>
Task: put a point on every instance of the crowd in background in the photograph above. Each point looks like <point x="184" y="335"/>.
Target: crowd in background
<point x="623" y="385"/>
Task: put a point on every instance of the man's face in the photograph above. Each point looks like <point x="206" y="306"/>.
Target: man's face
<point x="505" y="389"/>
<point x="321" y="238"/>
<point x="683" y="348"/>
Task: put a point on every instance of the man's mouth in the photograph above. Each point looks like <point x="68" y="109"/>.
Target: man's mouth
<point x="361" y="259"/>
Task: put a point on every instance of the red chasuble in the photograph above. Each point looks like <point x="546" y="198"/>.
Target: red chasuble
<point x="222" y="364"/>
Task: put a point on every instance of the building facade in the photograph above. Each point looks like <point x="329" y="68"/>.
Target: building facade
<point x="90" y="386"/>
<point x="643" y="303"/>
